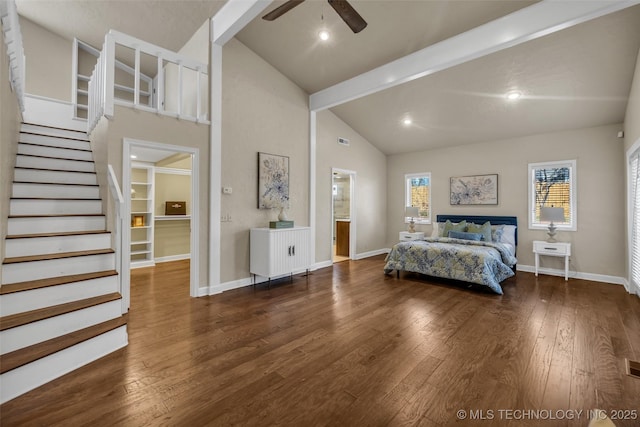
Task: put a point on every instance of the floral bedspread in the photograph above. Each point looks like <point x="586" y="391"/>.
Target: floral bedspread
<point x="483" y="263"/>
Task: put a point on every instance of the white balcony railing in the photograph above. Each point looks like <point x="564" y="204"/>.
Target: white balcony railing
<point x="178" y="89"/>
<point x="15" y="50"/>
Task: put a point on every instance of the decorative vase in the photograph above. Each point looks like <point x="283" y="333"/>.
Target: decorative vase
<point x="282" y="216"/>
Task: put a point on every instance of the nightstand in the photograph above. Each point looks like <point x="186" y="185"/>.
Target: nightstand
<point x="559" y="249"/>
<point x="405" y="236"/>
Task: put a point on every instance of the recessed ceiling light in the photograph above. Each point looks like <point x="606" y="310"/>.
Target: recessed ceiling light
<point x="324" y="35"/>
<point x="407" y="122"/>
<point x="133" y="156"/>
<point x="513" y="95"/>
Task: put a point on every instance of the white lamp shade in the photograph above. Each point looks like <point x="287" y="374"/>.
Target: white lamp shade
<point x="551" y="214"/>
<point x="411" y="211"/>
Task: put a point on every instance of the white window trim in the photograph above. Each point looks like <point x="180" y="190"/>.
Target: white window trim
<point x="573" y="188"/>
<point x="631" y="285"/>
<point x="407" y="197"/>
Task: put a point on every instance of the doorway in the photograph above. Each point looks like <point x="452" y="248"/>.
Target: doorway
<point x="168" y="163"/>
<point x="343" y="215"/>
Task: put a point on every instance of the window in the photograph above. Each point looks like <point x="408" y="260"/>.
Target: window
<point x="418" y="194"/>
<point x="553" y="184"/>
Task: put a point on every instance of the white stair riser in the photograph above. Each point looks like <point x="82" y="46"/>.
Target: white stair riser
<point x="55" y="177"/>
<point x="55" y="164"/>
<point x="59" y="191"/>
<point x="27" y="377"/>
<point x="54" y="142"/>
<point x="34" y="299"/>
<point x="60" y="153"/>
<point x="54" y="207"/>
<point x="32" y="333"/>
<point x="19" y="226"/>
<point x="43" y="130"/>
<point x="34" y="270"/>
<point x="56" y="244"/>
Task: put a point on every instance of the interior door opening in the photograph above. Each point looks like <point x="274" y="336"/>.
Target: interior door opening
<point x="343" y="215"/>
<point x="160" y="183"/>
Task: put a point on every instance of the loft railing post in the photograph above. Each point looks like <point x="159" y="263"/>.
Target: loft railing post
<point x="198" y="97"/>
<point x="109" y="53"/>
<point x="136" y="76"/>
<point x="179" y="88"/>
<point x="160" y="84"/>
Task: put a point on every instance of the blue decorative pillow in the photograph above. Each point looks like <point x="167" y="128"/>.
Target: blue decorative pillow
<point x="465" y="235"/>
<point x="496" y="232"/>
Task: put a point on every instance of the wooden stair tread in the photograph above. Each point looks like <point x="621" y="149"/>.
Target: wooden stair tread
<point x="51" y="170"/>
<point x="61" y="255"/>
<point x="53" y="281"/>
<point x="55" y="158"/>
<point x="61" y="234"/>
<point x="50" y="198"/>
<point x="52" y="215"/>
<point x="19" y="319"/>
<point x="29" y="354"/>
<point x="56" y="146"/>
<point x="55" y="183"/>
<point x="51" y="127"/>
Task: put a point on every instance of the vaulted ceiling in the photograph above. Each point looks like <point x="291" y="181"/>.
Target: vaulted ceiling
<point x="577" y="77"/>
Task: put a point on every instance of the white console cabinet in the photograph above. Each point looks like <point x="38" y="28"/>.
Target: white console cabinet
<point x="278" y="252"/>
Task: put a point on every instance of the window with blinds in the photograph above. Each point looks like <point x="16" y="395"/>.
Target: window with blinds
<point x="418" y="194"/>
<point x="553" y="184"/>
<point x="634" y="163"/>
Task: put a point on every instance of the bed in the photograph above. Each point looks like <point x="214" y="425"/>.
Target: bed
<point x="457" y="252"/>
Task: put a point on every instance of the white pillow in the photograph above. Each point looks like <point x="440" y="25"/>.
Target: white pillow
<point x="509" y="235"/>
<point x="435" y="232"/>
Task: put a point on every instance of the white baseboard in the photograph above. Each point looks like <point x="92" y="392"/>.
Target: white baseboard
<point x="574" y="274"/>
<point x="322" y="264"/>
<point x="371" y="253"/>
<point x="140" y="264"/>
<point x="227" y="286"/>
<point x="51" y="112"/>
<point x="170" y="258"/>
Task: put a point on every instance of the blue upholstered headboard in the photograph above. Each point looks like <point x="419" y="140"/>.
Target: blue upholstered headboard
<point x="481" y="219"/>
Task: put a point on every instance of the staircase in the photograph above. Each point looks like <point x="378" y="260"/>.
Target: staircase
<point x="60" y="304"/>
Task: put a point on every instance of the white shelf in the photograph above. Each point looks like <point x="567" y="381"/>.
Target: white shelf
<point x="140" y="213"/>
<point x="140" y="226"/>
<point x="140" y="242"/>
<point x="141" y="183"/>
<point x="140" y="252"/>
<point x="136" y="199"/>
<point x="172" y="217"/>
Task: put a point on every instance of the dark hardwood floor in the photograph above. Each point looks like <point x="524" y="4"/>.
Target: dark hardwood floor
<point x="353" y="347"/>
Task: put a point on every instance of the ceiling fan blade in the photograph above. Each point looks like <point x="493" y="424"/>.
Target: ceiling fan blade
<point x="281" y="10"/>
<point x="348" y="15"/>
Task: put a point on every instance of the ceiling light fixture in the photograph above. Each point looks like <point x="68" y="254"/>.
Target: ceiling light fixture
<point x="324" y="35"/>
<point x="513" y="95"/>
<point x="407" y="122"/>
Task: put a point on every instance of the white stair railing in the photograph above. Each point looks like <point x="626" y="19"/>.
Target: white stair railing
<point x="15" y="50"/>
<point x="179" y="81"/>
<point x="123" y="273"/>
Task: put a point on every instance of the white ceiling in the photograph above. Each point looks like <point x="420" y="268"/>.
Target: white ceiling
<point x="578" y="77"/>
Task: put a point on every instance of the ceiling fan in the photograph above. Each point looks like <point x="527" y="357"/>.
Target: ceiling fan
<point x="342" y="7"/>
